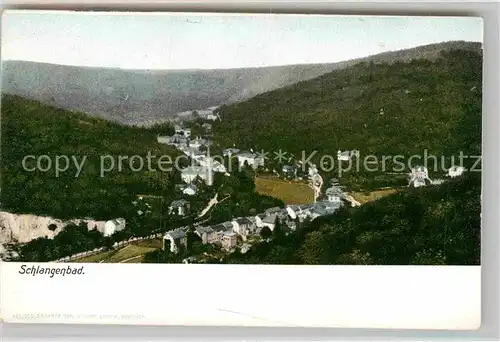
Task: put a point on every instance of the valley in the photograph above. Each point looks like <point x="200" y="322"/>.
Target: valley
<point x="227" y="203"/>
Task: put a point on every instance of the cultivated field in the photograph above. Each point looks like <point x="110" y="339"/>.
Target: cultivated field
<point x="288" y="191"/>
<point x="131" y="253"/>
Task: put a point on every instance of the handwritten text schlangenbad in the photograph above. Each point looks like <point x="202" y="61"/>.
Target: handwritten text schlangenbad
<point x="51" y="271"/>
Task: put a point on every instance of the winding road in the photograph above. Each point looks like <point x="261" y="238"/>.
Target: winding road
<point x="211" y="203"/>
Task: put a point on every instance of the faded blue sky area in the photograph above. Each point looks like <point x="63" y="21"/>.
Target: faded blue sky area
<point x="209" y="41"/>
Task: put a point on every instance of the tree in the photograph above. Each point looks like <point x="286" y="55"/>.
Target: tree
<point x="428" y="257"/>
<point x="108" y="242"/>
<point x="192" y="238"/>
<point x="356" y="257"/>
<point x="278" y="232"/>
<point x="266" y="233"/>
<point x="281" y="255"/>
<point x="314" y="251"/>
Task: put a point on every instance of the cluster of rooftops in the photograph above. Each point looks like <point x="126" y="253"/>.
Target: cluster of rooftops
<point x="419" y="176"/>
<point x="246" y="226"/>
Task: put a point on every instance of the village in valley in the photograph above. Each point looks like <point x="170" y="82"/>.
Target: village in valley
<point x="297" y="193"/>
<point x="333" y="153"/>
<point x="241" y="232"/>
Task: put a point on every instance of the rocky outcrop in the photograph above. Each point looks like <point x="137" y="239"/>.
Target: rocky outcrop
<point x="21" y="228"/>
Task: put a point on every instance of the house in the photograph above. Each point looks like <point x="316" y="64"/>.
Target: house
<point x="270" y="221"/>
<point x="218" y="167"/>
<point x="208" y="114"/>
<point x="207" y="234"/>
<point x="258" y="221"/>
<point x="197" y="143"/>
<point x="165" y="139"/>
<point x="305" y="207"/>
<point x="112" y="226"/>
<point x="245" y="248"/>
<point x="91" y="224"/>
<point x="174" y="239"/>
<point x="289" y="171"/>
<point x="304" y="211"/>
<point x="242" y="226"/>
<point x="228" y="240"/>
<point x="456" y="171"/>
<point x="283" y="215"/>
<point x="252" y="159"/>
<point x="183" y="131"/>
<point x="343" y="155"/>
<point x="207" y="127"/>
<point x="212" y="117"/>
<point x="176" y="140"/>
<point x="312" y="170"/>
<point x="218" y="231"/>
<point x="190" y="173"/>
<point x="228" y="225"/>
<point x="334" y="194"/>
<point x="190" y="190"/>
<point x="210" y="162"/>
<point x="179" y="207"/>
<point x="327" y="206"/>
<point x="318" y="211"/>
<point x="192" y="152"/>
<point x="280" y="213"/>
<point x="292" y="211"/>
<point x="253" y="227"/>
<point x="182" y="144"/>
<point x="219" y="228"/>
<point x="228" y="152"/>
<point x="189" y="260"/>
<point x="203" y="112"/>
<point x="272" y="210"/>
<point x="419" y="176"/>
<point x="198" y="156"/>
<point x="183" y="148"/>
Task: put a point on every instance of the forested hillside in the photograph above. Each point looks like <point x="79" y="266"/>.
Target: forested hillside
<point x="398" y="108"/>
<point x="30" y="128"/>
<point x="438" y="225"/>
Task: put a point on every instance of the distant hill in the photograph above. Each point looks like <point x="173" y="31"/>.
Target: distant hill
<point x="401" y="107"/>
<point x="143" y="97"/>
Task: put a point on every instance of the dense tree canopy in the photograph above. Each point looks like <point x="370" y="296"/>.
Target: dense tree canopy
<point x="32" y="129"/>
<point x="402" y="108"/>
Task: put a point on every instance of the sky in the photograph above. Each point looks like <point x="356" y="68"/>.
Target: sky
<point x="214" y="41"/>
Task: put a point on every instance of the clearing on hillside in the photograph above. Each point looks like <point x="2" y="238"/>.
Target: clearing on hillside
<point x="363" y="197"/>
<point x="289" y="192"/>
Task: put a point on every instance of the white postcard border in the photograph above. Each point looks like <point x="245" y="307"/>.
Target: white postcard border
<point x="490" y="242"/>
<point x="390" y="297"/>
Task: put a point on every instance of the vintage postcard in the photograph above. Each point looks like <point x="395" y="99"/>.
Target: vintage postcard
<point x="229" y="139"/>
